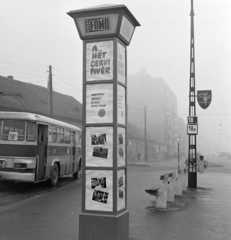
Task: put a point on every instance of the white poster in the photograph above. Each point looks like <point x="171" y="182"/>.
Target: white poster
<point x="99" y="61"/>
<point x="121" y="104"/>
<point x="121" y="69"/>
<point x="121" y="153"/>
<point x="99" y="103"/>
<point x="126" y="29"/>
<point x="121" y="189"/>
<point x="99" y="146"/>
<point x="99" y="190"/>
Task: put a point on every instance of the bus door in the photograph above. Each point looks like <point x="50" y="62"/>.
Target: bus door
<point x="42" y="140"/>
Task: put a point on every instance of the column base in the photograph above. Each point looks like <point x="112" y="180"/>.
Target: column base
<point x="104" y="227"/>
<point x="192" y="179"/>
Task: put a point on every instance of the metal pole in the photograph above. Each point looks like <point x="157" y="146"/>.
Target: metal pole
<point x="192" y="151"/>
<point x="178" y="155"/>
<point x="145" y="135"/>
<point x="51" y="91"/>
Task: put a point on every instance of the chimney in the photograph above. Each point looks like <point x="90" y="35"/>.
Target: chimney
<point x="10" y="77"/>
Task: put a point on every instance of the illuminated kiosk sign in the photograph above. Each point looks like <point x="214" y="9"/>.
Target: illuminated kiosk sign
<point x="106" y="32"/>
<point x="97" y="24"/>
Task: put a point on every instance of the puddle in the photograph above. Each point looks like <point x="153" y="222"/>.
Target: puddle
<point x="175" y="206"/>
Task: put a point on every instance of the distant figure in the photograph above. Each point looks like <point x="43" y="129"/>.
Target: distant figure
<point x="139" y="156"/>
<point x="186" y="162"/>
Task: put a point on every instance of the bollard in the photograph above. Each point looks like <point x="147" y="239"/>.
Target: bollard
<point x="179" y="183"/>
<point x="161" y="195"/>
<point x="185" y="179"/>
<point x="171" y="187"/>
<point x="200" y="163"/>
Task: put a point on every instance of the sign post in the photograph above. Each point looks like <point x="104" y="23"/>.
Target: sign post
<point x="192" y="129"/>
<point x="106" y="31"/>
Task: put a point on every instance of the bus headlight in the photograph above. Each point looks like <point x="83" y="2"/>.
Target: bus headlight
<point x="20" y="165"/>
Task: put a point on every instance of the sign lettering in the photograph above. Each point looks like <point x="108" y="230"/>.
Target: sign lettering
<point x="192" y="130"/>
<point x="192" y="120"/>
<point x="97" y="24"/>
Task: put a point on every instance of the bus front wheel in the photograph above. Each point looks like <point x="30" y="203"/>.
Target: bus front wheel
<point x="54" y="175"/>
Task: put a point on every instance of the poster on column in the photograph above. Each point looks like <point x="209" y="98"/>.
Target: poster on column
<point x="121" y="104"/>
<point x="121" y="189"/>
<point x="121" y="69"/>
<point x="121" y="153"/>
<point x="99" y="61"/>
<point x="99" y="103"/>
<point x="99" y="190"/>
<point x="99" y="146"/>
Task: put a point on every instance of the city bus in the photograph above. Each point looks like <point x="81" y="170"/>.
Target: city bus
<point x="35" y="148"/>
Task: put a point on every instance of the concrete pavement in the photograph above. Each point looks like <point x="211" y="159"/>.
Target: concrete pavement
<point x="203" y="213"/>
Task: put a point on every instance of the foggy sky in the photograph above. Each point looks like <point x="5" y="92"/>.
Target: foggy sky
<point x="39" y="33"/>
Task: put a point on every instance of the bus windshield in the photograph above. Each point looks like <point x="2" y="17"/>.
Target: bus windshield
<point x="15" y="130"/>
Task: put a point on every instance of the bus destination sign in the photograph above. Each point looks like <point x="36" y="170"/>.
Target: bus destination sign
<point x="97" y="24"/>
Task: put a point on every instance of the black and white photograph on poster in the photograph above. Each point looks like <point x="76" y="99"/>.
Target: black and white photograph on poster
<point x="121" y="193"/>
<point x="99" y="61"/>
<point x="98" y="139"/>
<point x="121" y="152"/>
<point x="99" y="103"/>
<point x="100" y="196"/>
<point x="99" y="190"/>
<point x="100" y="152"/>
<point x="98" y="182"/>
<point x="121" y="104"/>
<point x="120" y="181"/>
<point x="121" y="148"/>
<point x="120" y="138"/>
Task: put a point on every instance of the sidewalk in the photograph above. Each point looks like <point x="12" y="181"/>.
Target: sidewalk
<point x="202" y="213"/>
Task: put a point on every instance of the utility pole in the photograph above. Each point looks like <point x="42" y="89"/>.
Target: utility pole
<point x="145" y="135"/>
<point x="192" y="151"/>
<point x="169" y="138"/>
<point x="51" y="91"/>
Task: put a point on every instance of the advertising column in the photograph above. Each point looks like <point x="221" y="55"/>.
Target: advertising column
<point x="106" y="32"/>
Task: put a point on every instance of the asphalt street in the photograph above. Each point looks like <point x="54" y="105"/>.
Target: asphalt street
<point x="202" y="213"/>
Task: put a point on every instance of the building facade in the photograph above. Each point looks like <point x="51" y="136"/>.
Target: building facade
<point x="151" y="100"/>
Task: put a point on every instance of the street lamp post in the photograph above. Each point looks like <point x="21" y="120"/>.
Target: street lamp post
<point x="178" y="143"/>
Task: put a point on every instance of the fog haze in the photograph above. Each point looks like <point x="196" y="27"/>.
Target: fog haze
<point x="36" y="34"/>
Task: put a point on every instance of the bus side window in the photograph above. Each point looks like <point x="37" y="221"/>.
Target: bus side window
<point x="31" y="136"/>
<point x="67" y="138"/>
<point x="72" y="135"/>
<point x="52" y="134"/>
<point x="78" y="138"/>
<point x="60" y="135"/>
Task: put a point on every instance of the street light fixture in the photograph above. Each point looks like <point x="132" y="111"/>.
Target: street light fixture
<point x="178" y="143"/>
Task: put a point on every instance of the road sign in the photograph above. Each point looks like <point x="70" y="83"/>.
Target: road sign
<point x="204" y="98"/>
<point x="192" y="120"/>
<point x="192" y="129"/>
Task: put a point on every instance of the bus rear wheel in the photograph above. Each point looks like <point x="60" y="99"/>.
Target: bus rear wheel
<point x="54" y="175"/>
<point x="76" y="175"/>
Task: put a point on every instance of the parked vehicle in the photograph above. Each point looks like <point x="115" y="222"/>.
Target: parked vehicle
<point x="35" y="148"/>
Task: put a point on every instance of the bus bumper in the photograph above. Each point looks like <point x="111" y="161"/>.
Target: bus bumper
<point x="15" y="176"/>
